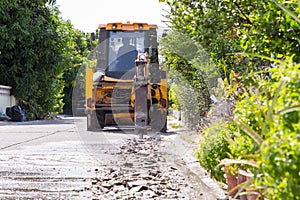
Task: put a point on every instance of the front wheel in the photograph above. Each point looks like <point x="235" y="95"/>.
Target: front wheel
<point x="95" y="120"/>
<point x="101" y="118"/>
<point x="158" y="120"/>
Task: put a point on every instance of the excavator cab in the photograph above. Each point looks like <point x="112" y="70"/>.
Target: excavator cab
<point x="110" y="87"/>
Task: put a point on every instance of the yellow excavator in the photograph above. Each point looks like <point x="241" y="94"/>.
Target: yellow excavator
<point x="128" y="85"/>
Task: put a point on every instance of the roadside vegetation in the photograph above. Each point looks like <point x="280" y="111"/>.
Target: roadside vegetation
<point x="40" y="55"/>
<point x="240" y="64"/>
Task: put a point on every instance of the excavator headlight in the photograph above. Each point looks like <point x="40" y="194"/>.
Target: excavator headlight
<point x="114" y="26"/>
<point x="141" y="26"/>
<point x="155" y="86"/>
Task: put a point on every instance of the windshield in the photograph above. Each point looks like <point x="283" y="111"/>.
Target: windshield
<point x="123" y="49"/>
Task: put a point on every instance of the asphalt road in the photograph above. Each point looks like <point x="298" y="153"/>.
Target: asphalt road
<point x="59" y="159"/>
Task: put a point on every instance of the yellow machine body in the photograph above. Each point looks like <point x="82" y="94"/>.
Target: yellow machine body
<point x="111" y="85"/>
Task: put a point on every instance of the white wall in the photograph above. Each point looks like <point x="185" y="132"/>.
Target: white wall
<point x="5" y="99"/>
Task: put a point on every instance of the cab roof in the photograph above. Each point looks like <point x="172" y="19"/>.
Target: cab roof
<point x="127" y="26"/>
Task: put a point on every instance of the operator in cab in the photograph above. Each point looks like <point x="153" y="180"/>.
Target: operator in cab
<point x="126" y="55"/>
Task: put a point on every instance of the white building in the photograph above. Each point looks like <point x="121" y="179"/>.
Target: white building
<point x="6" y="100"/>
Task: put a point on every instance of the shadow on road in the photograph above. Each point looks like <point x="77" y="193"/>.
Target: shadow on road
<point x="69" y="120"/>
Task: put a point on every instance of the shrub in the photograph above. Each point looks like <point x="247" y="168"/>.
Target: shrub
<point x="213" y="147"/>
<point x="280" y="156"/>
<point x="268" y="114"/>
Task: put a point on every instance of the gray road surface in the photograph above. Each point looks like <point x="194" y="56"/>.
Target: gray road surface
<point x="59" y="159"/>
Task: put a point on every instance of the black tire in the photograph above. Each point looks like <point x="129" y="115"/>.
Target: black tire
<point x="95" y="120"/>
<point x="164" y="129"/>
<point x="158" y="120"/>
<point x="101" y="118"/>
<point x="92" y="122"/>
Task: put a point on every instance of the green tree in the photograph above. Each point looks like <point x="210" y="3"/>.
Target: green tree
<point x="188" y="90"/>
<point x="226" y="28"/>
<point x="77" y="50"/>
<point x="36" y="48"/>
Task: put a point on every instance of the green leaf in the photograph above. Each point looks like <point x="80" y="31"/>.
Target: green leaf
<point x="289" y="109"/>
<point x="248" y="130"/>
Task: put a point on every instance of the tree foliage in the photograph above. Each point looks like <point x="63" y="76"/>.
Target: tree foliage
<point x="78" y="43"/>
<point x="188" y="91"/>
<point x="36" y="48"/>
<point x="225" y="28"/>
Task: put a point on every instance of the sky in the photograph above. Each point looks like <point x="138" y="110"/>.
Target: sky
<point x="86" y="15"/>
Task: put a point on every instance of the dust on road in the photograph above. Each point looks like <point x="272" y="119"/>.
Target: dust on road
<point x="62" y="166"/>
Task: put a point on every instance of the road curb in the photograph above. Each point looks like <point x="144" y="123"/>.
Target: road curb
<point x="193" y="165"/>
